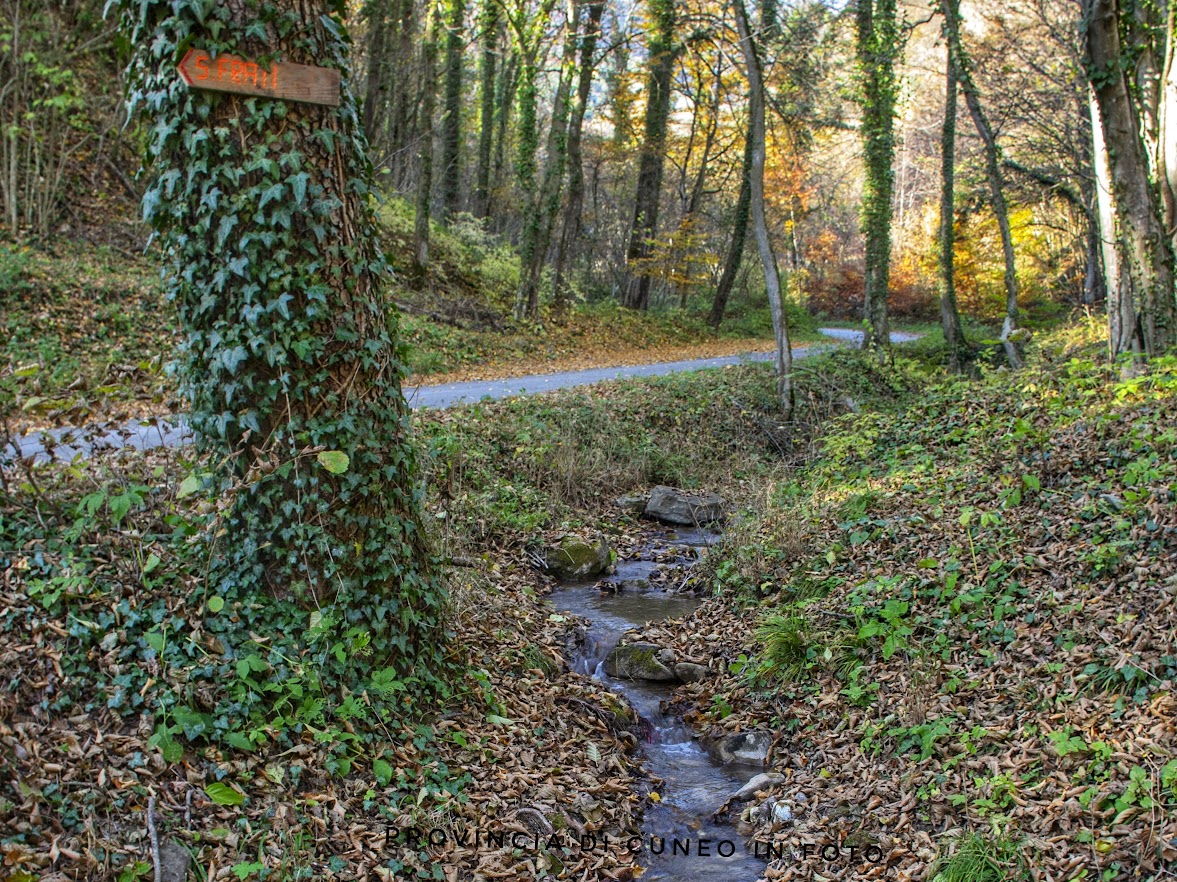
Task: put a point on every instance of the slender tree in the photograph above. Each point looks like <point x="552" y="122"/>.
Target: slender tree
<point x="964" y="75"/>
<point x="644" y="229"/>
<point x="290" y="361"/>
<point x="954" y="336"/>
<point x="491" y="31"/>
<point x="1167" y="122"/>
<point x="425" y="154"/>
<point x="451" y="127"/>
<point x="572" y="226"/>
<point x="878" y="44"/>
<point x="1121" y="310"/>
<point x="697" y="188"/>
<point x="541" y="219"/>
<point x="739" y="235"/>
<point x="376" y="18"/>
<point x="772" y="276"/>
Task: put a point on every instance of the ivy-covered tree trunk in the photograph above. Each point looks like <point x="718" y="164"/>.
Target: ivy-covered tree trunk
<point x="526" y="166"/>
<point x="264" y="211"/>
<point x="425" y="153"/>
<point x="574" y="206"/>
<point x="878" y="44"/>
<point x="954" y="337"/>
<point x="451" y="128"/>
<point x="489" y="24"/>
<point x="735" y="248"/>
<point x="772" y="275"/>
<point x="1143" y="246"/>
<point x="1010" y="339"/>
<point x="636" y="294"/>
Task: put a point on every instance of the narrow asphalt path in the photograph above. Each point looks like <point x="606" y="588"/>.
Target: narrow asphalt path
<point x="66" y="443"/>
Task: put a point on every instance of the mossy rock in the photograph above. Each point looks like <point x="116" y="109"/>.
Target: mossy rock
<point x="639" y="661"/>
<point x="576" y="558"/>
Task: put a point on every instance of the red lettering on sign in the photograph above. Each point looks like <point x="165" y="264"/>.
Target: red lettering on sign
<point x="227" y="73"/>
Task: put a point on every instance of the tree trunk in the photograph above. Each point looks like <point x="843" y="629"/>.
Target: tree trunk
<point x="425" y="159"/>
<point x="1144" y="251"/>
<point x="451" y="129"/>
<point x="574" y="208"/>
<point x="954" y="337"/>
<point x="772" y="276"/>
<point x="878" y="46"/>
<point x="490" y="55"/>
<point x="636" y="294"/>
<point x="377" y="16"/>
<point x="735" y="248"/>
<point x="695" y="199"/>
<point x="1120" y="308"/>
<point x="960" y="63"/>
<point x="291" y="361"/>
<point x="507" y="87"/>
<point x="402" y="124"/>
<point x="537" y="229"/>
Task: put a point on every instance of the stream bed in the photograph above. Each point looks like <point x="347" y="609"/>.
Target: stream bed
<point x="695" y="786"/>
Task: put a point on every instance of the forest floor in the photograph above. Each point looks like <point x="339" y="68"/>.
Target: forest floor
<point x="954" y="611"/>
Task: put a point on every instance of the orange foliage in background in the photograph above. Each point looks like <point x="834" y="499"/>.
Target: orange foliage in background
<point x="834" y="285"/>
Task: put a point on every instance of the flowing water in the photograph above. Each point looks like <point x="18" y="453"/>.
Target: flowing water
<point x="694" y="785"/>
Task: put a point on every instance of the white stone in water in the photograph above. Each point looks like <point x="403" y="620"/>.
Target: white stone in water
<point x="760" y="782"/>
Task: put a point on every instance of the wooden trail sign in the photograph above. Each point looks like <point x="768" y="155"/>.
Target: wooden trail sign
<point x="292" y="82"/>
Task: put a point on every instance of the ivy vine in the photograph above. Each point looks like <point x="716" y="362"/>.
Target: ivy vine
<point x="290" y="362"/>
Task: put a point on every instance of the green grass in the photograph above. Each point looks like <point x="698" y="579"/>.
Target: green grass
<point x="977" y="858"/>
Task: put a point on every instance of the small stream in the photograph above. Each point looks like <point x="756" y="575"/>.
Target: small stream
<point x="694" y="785"/>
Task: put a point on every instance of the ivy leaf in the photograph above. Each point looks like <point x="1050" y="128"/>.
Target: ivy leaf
<point x="188" y="486"/>
<point x="222" y="794"/>
<point x="334" y="461"/>
<point x="382" y="772"/>
<point x="298" y="184"/>
<point x="272" y="194"/>
<point x="239" y="740"/>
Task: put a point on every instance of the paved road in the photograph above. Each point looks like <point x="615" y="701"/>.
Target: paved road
<point x="64" y="444"/>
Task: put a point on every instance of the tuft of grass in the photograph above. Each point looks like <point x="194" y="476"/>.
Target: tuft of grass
<point x="978" y="859"/>
<point x="789" y="647"/>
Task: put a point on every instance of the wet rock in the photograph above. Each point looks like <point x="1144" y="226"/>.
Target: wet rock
<point x="689" y="672"/>
<point x="173" y="862"/>
<point x="760" y="782"/>
<point x="638" y="661"/>
<point x="634" y="503"/>
<point x="743" y="748"/>
<point x="633" y="585"/>
<point x="676" y="507"/>
<point x="1116" y="503"/>
<point x="575" y="558"/>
